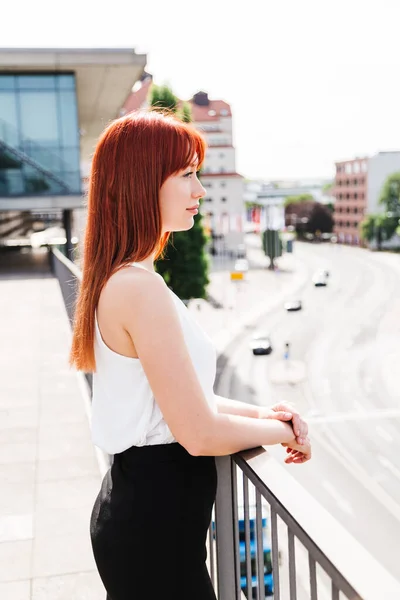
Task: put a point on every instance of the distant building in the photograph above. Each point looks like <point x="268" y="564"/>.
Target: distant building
<point x="357" y="188"/>
<point x="223" y="207"/>
<point x="53" y="106"/>
<point x="350" y="192"/>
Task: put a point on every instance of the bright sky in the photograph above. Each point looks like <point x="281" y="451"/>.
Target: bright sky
<point x="309" y="81"/>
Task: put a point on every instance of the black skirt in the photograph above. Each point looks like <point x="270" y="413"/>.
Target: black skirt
<point x="149" y="524"/>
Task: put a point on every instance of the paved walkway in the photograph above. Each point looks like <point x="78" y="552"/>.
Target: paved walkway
<point x="49" y="470"/>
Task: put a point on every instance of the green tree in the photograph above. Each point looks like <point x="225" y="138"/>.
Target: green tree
<point x="161" y="96"/>
<point x="320" y="219"/>
<point x="368" y="227"/>
<point x="299" y="199"/>
<point x="272" y="245"/>
<point x="186" y="113"/>
<point x="185" y="264"/>
<point x="390" y="195"/>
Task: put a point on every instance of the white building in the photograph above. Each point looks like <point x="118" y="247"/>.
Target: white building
<point x="380" y="167"/>
<point x="223" y="207"/>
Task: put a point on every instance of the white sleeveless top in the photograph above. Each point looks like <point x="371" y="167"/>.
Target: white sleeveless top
<point x="124" y="410"/>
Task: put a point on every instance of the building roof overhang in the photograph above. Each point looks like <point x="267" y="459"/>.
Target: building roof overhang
<point x="104" y="80"/>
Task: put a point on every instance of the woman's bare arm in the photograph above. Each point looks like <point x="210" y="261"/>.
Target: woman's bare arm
<point x="143" y="305"/>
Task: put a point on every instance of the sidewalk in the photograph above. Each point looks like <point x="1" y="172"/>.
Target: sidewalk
<point x="48" y="469"/>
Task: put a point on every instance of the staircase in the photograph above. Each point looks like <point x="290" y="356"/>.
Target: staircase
<point x="29" y="169"/>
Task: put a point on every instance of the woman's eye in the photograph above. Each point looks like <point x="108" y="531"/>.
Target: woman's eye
<point x="188" y="174"/>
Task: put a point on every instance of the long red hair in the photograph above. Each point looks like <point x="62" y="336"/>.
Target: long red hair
<point x="133" y="158"/>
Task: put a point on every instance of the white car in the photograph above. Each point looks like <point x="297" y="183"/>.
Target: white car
<point x="241" y="265"/>
<point x="261" y="344"/>
<point x="320" y="279"/>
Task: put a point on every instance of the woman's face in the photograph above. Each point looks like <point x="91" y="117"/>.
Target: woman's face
<point x="180" y="199"/>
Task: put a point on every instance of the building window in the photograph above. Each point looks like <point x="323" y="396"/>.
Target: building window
<point x="207" y="184"/>
<point x="348" y="168"/>
<point x="208" y="199"/>
<point x="347" y="196"/>
<point x="355" y="210"/>
<point x="355" y="196"/>
<point x="222" y="184"/>
<point x="223" y="199"/>
<point x="222" y="170"/>
<point x="355" y="182"/>
<point x="347" y="223"/>
<point x="221" y="155"/>
<point x="223" y="112"/>
<point x="355" y="224"/>
<point x="41" y="111"/>
<point x="364" y="166"/>
<point x="356" y="167"/>
<point x="347" y="209"/>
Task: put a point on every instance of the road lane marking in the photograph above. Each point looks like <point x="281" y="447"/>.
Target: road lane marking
<point x="383" y="433"/>
<point x="385" y="413"/>
<point x="385" y="462"/>
<point x="340" y="501"/>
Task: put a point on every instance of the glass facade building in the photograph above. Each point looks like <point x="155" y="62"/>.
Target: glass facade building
<point x="39" y="135"/>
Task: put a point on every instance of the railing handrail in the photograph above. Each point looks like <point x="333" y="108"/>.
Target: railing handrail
<point x="345" y="560"/>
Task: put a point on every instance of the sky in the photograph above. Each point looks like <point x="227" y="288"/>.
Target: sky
<point x="310" y="82"/>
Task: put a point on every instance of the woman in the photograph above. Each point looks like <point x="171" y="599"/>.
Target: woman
<point x="153" y="369"/>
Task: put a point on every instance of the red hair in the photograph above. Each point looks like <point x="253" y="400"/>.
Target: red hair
<point x="133" y="158"/>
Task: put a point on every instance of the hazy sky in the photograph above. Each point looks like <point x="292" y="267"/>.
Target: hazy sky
<point x="309" y="81"/>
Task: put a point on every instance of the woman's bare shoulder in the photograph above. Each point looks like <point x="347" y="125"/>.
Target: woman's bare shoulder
<point x="131" y="283"/>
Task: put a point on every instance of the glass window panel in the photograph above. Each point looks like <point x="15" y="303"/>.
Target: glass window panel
<point x="39" y="120"/>
<point x="7" y="82"/>
<point x="66" y="82"/>
<point x="8" y="118"/>
<point x="36" y="82"/>
<point x="68" y="118"/>
<point x="73" y="180"/>
<point x="70" y="158"/>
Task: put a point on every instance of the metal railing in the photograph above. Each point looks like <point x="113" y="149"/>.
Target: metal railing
<point x="313" y="557"/>
<point x="289" y="545"/>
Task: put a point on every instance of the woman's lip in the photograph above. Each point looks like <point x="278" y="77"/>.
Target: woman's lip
<point x="194" y="209"/>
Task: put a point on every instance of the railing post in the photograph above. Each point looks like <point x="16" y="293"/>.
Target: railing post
<point x="225" y="530"/>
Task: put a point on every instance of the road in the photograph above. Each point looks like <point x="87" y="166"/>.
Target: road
<point x="343" y="357"/>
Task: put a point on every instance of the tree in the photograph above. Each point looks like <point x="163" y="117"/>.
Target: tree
<point x="368" y="227"/>
<point x="185" y="264"/>
<point x="390" y="195"/>
<point x="272" y="245"/>
<point x="382" y="226"/>
<point x="186" y="113"/>
<point x="320" y="219"/>
<point x="161" y="96"/>
<point x="301" y="198"/>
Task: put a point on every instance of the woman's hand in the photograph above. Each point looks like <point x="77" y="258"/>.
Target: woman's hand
<point x="298" y="453"/>
<point x="284" y="411"/>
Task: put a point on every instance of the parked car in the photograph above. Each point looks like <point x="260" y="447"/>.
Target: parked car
<point x="242" y="265"/>
<point x="261" y="344"/>
<point x="293" y="305"/>
<point x="320" y="279"/>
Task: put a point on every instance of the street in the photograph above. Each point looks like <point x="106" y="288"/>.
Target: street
<point x="341" y="375"/>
